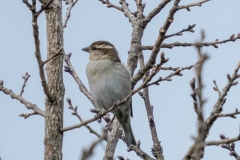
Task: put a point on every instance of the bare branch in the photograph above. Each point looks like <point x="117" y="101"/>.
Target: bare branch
<point x="45" y="7"/>
<point x="216" y="88"/>
<point x="192" y="5"/>
<point x="157" y="149"/>
<point x="177" y="72"/>
<point x="86" y="153"/>
<point x="216" y="109"/>
<point x="189" y="29"/>
<point x="53" y="56"/>
<point x="28" y="4"/>
<point x="127" y="12"/>
<point x="223" y="141"/>
<point x="158" y="9"/>
<point x="197" y="149"/>
<point x="112" y="140"/>
<point x="75" y="112"/>
<point x="206" y="44"/>
<point x="71" y="4"/>
<point x="157" y="45"/>
<point x="22" y="100"/>
<point x="35" y="15"/>
<point x="26" y="115"/>
<point x="230" y="145"/>
<point x="24" y="83"/>
<point x="110" y="5"/>
<point x="139" y="152"/>
<point x="69" y="68"/>
<point x="232" y="115"/>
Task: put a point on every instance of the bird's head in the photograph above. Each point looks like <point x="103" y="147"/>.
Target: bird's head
<point x="100" y="50"/>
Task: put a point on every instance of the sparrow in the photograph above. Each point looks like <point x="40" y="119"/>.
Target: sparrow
<point x="109" y="81"/>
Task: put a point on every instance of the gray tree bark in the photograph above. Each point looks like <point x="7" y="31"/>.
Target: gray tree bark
<point x="54" y="70"/>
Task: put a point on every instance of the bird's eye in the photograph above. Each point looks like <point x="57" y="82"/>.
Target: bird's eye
<point x="94" y="48"/>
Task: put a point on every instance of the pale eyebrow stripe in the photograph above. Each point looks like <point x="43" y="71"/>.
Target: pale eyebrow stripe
<point x="104" y="46"/>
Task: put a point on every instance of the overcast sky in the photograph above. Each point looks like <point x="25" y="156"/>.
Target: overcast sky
<point x="90" y="20"/>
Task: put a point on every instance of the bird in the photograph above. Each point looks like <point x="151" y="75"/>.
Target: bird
<point x="109" y="81"/>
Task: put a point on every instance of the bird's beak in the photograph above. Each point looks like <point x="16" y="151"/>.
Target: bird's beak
<point x="86" y="49"/>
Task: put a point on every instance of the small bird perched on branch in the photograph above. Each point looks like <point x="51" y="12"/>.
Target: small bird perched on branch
<point x="109" y="81"/>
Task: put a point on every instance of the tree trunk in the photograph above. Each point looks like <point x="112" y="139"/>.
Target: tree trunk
<point x="54" y="109"/>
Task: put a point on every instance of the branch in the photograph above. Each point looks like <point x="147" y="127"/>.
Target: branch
<point x="74" y="109"/>
<point x="24" y="83"/>
<point x="144" y="69"/>
<point x="110" y="5"/>
<point x="35" y="15"/>
<point x="217" y="108"/>
<point x="26" y="115"/>
<point x="232" y="115"/>
<point x="177" y="72"/>
<point x="216" y="88"/>
<point x="189" y="29"/>
<point x="71" y="4"/>
<point x="45" y="7"/>
<point x="206" y="44"/>
<point x="192" y="5"/>
<point x="230" y="145"/>
<point x="86" y="153"/>
<point x="139" y="152"/>
<point x="156" y="11"/>
<point x="127" y="12"/>
<point x="53" y="56"/>
<point x="69" y="68"/>
<point x="157" y="149"/>
<point x="22" y="100"/>
<point x="223" y="141"/>
<point x="198" y="101"/>
<point x="28" y="4"/>
<point x="112" y="141"/>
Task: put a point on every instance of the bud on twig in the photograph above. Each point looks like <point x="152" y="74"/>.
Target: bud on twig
<point x="228" y="76"/>
<point x="222" y="136"/>
<point x="1" y="82"/>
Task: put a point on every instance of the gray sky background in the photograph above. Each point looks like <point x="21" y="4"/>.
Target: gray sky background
<point x="175" y="118"/>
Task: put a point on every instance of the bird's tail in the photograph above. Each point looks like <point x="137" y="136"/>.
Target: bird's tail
<point x="128" y="133"/>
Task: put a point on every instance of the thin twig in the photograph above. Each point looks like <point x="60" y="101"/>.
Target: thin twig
<point x="157" y="149"/>
<point x="162" y="32"/>
<point x="53" y="56"/>
<point x="177" y="72"/>
<point x="75" y="112"/>
<point x="192" y="5"/>
<point x="232" y="115"/>
<point x="86" y="153"/>
<point x="139" y="152"/>
<point x="158" y="9"/>
<point x="69" y="68"/>
<point x="71" y="4"/>
<point x="206" y="44"/>
<point x="26" y="115"/>
<point x="230" y="145"/>
<point x="22" y="100"/>
<point x="45" y="7"/>
<point x="216" y="88"/>
<point x="189" y="29"/>
<point x="110" y="5"/>
<point x="217" y="108"/>
<point x="223" y="141"/>
<point x="35" y="15"/>
<point x="24" y="83"/>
